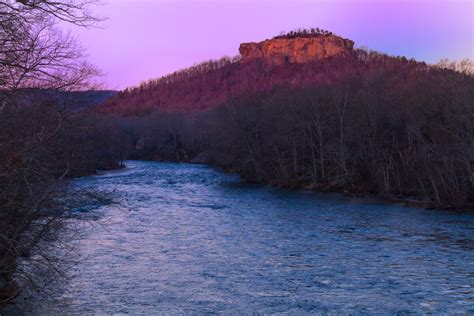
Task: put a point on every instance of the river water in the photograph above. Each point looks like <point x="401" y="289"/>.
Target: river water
<point x="189" y="239"/>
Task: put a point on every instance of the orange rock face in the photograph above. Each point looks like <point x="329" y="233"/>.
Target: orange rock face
<point x="296" y="50"/>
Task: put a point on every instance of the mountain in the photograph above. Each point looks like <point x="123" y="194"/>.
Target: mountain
<point x="295" y="59"/>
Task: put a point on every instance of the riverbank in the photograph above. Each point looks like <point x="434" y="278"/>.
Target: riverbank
<point x="352" y="192"/>
<point x="411" y="201"/>
<point x="224" y="163"/>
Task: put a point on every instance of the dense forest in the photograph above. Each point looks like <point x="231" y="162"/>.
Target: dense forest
<point x="366" y="124"/>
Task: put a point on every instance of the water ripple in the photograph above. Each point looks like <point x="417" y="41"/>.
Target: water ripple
<point x="189" y="239"/>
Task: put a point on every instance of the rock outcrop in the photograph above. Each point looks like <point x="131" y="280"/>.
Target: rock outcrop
<point x="296" y="50"/>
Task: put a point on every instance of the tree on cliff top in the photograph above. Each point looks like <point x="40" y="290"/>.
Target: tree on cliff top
<point x="310" y="32"/>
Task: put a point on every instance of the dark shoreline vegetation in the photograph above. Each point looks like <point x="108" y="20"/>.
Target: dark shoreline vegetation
<point x="361" y="124"/>
<point x="45" y="137"/>
<point x="44" y="146"/>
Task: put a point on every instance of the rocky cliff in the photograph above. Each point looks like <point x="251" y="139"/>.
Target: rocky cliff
<point x="296" y="50"/>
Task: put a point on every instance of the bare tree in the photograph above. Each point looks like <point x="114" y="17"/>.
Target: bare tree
<point x="38" y="64"/>
<point x="464" y="66"/>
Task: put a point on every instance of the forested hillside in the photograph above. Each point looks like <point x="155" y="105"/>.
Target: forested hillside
<point x="364" y="123"/>
<point x="212" y="83"/>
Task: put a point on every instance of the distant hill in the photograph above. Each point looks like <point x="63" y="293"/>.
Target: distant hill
<point x="72" y="100"/>
<point x="80" y="100"/>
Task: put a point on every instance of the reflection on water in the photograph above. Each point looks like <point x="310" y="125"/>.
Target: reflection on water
<point x="188" y="239"/>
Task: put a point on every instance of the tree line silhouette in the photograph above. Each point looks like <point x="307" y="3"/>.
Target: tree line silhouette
<point x="309" y="32"/>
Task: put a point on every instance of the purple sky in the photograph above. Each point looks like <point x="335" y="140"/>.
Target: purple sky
<point x="145" y="39"/>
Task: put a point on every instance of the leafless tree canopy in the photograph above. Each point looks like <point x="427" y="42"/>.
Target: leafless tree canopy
<point x="42" y="142"/>
<point x="464" y="66"/>
<point x="78" y="12"/>
<point x="34" y="53"/>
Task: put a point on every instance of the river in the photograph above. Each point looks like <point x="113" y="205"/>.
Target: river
<point x="189" y="239"/>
